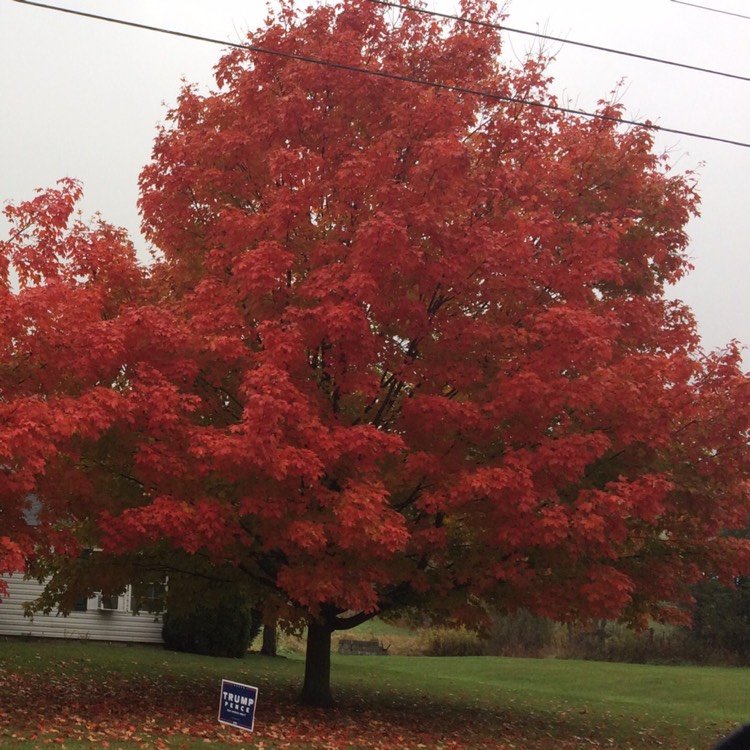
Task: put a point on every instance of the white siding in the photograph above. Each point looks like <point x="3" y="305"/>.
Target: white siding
<point x="94" y="624"/>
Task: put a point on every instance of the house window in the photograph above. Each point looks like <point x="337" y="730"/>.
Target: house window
<point x="148" y="597"/>
<point x="82" y="605"/>
<point x="109" y="602"/>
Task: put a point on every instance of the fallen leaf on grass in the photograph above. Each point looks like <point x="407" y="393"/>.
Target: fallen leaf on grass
<point x="169" y="713"/>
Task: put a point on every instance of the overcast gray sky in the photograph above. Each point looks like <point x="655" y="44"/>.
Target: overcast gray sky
<point x="82" y="98"/>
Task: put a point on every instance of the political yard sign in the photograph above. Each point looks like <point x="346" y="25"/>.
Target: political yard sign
<point x="237" y="705"/>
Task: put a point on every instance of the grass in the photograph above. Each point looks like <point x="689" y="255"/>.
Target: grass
<point x="83" y="695"/>
<point x="624" y="699"/>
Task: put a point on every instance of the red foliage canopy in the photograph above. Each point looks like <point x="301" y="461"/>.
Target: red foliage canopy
<point x="63" y="286"/>
<point x="401" y="345"/>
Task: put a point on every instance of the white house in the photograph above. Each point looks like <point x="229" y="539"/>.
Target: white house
<point x="100" y="618"/>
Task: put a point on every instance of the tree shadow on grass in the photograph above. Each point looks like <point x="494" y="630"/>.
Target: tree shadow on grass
<point x="77" y="702"/>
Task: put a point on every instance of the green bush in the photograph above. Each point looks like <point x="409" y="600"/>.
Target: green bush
<point x="721" y="620"/>
<point x="450" y="642"/>
<point x="222" y="625"/>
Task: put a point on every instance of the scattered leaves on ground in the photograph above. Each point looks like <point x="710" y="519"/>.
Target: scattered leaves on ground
<point x="58" y="704"/>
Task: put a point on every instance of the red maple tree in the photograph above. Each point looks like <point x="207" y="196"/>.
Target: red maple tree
<point x="403" y="346"/>
<point x="63" y="284"/>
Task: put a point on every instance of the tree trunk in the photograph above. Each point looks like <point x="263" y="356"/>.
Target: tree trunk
<point x="316" y="690"/>
<point x="269" y="639"/>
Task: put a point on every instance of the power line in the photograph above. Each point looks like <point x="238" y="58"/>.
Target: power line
<point x="393" y="76"/>
<point x="561" y="40"/>
<point x="713" y="10"/>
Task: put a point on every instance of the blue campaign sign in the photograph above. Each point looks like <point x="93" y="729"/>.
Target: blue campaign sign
<point x="237" y="704"/>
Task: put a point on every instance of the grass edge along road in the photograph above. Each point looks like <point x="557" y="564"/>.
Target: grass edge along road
<point x="83" y="695"/>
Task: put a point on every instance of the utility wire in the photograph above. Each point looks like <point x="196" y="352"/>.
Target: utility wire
<point x="393" y="76"/>
<point x="713" y="10"/>
<point x="538" y="35"/>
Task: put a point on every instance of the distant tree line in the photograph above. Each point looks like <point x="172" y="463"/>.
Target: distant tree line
<point x="719" y="634"/>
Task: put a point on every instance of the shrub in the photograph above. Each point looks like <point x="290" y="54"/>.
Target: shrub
<point x="221" y="625"/>
<point x="521" y="634"/>
<point x="721" y="619"/>
<point x="450" y="642"/>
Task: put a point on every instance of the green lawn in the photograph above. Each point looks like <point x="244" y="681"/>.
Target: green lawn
<point x="628" y="699"/>
<point x="82" y="695"/>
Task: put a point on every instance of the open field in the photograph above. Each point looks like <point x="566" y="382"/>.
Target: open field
<point x="86" y="695"/>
